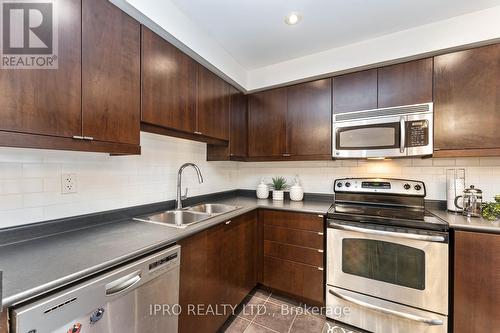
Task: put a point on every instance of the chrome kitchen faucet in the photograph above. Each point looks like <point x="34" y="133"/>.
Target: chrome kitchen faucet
<point x="181" y="197"/>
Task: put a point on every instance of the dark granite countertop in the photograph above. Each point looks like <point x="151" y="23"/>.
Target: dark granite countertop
<point x="459" y="222"/>
<point x="36" y="260"/>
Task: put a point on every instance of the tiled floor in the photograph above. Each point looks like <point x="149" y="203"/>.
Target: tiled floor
<point x="263" y="312"/>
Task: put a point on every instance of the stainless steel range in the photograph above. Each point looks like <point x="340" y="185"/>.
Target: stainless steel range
<point x="387" y="259"/>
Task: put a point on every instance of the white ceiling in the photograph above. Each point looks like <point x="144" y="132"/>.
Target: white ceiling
<point x="254" y="32"/>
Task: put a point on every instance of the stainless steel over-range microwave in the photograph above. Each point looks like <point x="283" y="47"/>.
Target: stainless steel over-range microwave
<point x="390" y="132"/>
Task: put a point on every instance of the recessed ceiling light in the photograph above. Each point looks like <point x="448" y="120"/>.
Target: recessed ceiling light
<point x="293" y="18"/>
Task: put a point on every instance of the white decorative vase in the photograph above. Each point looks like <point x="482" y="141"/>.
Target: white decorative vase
<point x="262" y="190"/>
<point x="278" y="195"/>
<point x="296" y="191"/>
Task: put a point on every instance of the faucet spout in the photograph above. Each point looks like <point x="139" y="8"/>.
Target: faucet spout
<point x="179" y="181"/>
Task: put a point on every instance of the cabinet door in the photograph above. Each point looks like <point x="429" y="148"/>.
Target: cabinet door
<point x="309" y="119"/>
<point x="477" y="282"/>
<point x="238" y="130"/>
<point x="355" y="91"/>
<point x="111" y="73"/>
<point x="267" y="123"/>
<point x="47" y="101"/>
<point x="168" y="84"/>
<point x="241" y="274"/>
<point x="405" y="84"/>
<point x="467" y="102"/>
<point x="212" y="105"/>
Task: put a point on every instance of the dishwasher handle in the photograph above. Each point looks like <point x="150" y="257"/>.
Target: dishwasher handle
<point x="122" y="284"/>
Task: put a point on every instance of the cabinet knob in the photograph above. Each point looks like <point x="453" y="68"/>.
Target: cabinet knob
<point x="320" y="269"/>
<point x="199" y="133"/>
<point x="320" y="251"/>
<point x="228" y="222"/>
<point x="320" y="216"/>
<point x="320" y="233"/>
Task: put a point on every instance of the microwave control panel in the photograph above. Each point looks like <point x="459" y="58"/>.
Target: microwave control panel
<point x="417" y="133"/>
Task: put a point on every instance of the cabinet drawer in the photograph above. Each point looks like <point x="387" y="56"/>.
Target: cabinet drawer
<point x="299" y="254"/>
<point x="294" y="236"/>
<point x="293" y="278"/>
<point x="310" y="222"/>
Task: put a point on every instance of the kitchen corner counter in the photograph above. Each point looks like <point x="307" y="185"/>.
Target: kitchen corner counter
<point x="460" y="222"/>
<point x="45" y="262"/>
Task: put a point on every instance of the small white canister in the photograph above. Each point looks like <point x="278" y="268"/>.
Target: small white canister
<point x="262" y="190"/>
<point x="296" y="191"/>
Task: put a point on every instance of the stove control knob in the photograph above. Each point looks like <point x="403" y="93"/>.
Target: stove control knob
<point x="418" y="187"/>
<point x="407" y="186"/>
<point x="339" y="184"/>
<point x="347" y="184"/>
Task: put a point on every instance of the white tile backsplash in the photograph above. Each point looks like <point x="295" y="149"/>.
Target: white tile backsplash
<point x="30" y="180"/>
<point x="484" y="173"/>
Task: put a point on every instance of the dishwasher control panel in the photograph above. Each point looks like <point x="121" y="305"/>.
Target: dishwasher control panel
<point x="164" y="262"/>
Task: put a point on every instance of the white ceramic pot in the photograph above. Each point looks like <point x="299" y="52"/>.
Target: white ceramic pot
<point x="296" y="192"/>
<point x="278" y="195"/>
<point x="262" y="190"/>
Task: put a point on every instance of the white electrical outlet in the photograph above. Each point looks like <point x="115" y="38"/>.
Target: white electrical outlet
<point x="68" y="183"/>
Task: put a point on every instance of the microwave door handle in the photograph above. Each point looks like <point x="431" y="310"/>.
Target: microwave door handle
<point x="427" y="238"/>
<point x="428" y="321"/>
<point x="402" y="130"/>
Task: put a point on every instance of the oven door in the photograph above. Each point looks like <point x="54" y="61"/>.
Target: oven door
<point x="401" y="267"/>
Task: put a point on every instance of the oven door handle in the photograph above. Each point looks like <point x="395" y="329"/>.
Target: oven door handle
<point x="427" y="238"/>
<point x="428" y="321"/>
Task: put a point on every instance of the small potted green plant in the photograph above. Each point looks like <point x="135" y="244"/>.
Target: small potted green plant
<point x="491" y="210"/>
<point x="279" y="186"/>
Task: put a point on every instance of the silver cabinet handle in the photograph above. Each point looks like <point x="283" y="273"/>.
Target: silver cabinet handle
<point x="388" y="233"/>
<point x="196" y="132"/>
<point x="228" y="222"/>
<point x="320" y="233"/>
<point x="320" y="269"/>
<point x="428" y="321"/>
<point x="320" y="216"/>
<point x="78" y="137"/>
<point x="320" y="251"/>
<point x="402" y="129"/>
<point x="88" y="138"/>
<point x="123" y="283"/>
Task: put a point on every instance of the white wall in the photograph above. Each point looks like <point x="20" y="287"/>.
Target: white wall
<point x="460" y="30"/>
<point x="30" y="179"/>
<point x="318" y="177"/>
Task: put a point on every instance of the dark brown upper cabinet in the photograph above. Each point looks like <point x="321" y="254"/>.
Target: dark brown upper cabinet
<point x="212" y="105"/>
<point x="168" y="84"/>
<point x="111" y="100"/>
<point x="237" y="147"/>
<point x="291" y="123"/>
<point x="47" y="101"/>
<point x="267" y="123"/>
<point x="63" y="109"/>
<point x="309" y="119"/>
<point x="355" y="91"/>
<point x="405" y="84"/>
<point x="467" y="102"/>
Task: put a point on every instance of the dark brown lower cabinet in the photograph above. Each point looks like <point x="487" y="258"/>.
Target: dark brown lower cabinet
<point x="218" y="266"/>
<point x="292" y="254"/>
<point x="3" y="321"/>
<point x="477" y="282"/>
<point x="295" y="279"/>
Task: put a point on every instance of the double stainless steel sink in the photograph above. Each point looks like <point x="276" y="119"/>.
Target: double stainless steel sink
<point x="181" y="218"/>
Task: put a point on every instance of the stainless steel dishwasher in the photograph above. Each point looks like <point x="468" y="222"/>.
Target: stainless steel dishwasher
<point x="140" y="297"/>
